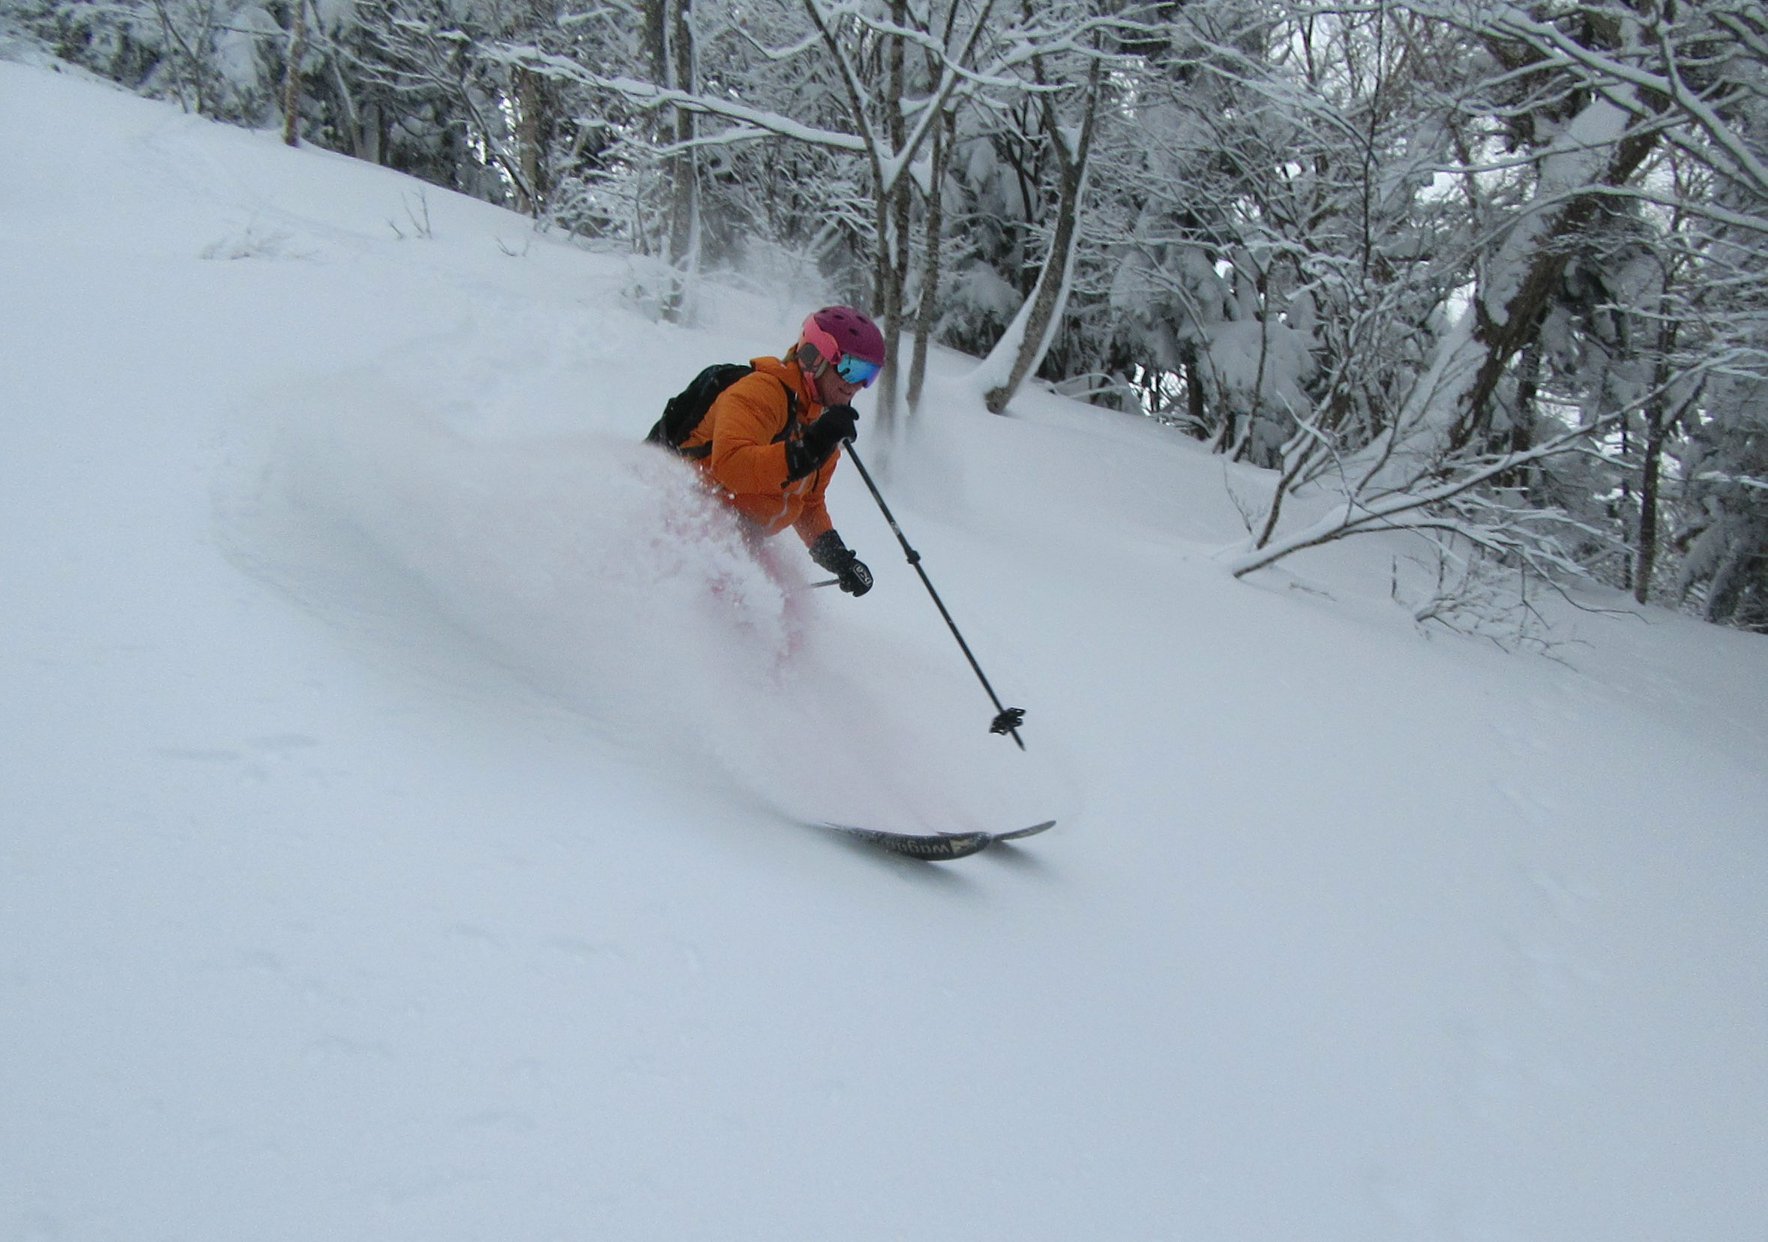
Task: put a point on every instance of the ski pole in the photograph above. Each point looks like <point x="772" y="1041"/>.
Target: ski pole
<point x="1008" y="719"/>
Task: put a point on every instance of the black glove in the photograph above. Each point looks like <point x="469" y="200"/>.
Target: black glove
<point x="850" y="572"/>
<point x="804" y="456"/>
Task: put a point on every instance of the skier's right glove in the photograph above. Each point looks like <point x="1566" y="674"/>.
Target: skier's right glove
<point x="807" y="454"/>
<point x="851" y="574"/>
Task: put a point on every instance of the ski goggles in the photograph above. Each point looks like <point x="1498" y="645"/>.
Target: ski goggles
<point x="858" y="370"/>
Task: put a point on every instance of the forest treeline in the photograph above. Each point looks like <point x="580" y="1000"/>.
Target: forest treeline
<point x="1493" y="271"/>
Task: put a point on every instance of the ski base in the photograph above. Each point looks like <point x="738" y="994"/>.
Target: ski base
<point x="935" y="846"/>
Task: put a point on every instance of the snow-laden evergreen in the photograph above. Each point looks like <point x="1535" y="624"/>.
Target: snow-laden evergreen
<point x="402" y="766"/>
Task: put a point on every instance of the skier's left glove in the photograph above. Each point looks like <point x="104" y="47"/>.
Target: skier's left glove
<point x="851" y="574"/>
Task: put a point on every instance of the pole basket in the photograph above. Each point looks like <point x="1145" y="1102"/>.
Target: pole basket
<point x="1008" y="721"/>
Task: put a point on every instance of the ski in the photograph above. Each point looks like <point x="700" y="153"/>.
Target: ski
<point x="935" y="846"/>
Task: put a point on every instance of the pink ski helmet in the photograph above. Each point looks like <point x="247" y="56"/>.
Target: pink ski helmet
<point x="847" y="340"/>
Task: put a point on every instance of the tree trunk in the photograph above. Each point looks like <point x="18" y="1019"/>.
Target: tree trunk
<point x="1660" y="422"/>
<point x="530" y="142"/>
<point x="927" y="312"/>
<point x="1651" y="470"/>
<point x="1502" y="333"/>
<point x="291" y="78"/>
<point x="892" y="267"/>
<point x="1196" y="407"/>
<point x="1045" y="306"/>
<point x="670" y="37"/>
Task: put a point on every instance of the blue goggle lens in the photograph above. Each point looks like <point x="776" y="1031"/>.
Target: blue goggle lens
<point x="857" y="370"/>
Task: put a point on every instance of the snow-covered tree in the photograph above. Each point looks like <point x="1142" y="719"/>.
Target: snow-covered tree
<point x="1478" y="268"/>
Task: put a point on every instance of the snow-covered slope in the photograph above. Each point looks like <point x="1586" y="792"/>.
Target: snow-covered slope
<point x="399" y="788"/>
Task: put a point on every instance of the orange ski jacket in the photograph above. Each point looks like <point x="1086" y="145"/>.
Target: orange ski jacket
<point x="748" y="427"/>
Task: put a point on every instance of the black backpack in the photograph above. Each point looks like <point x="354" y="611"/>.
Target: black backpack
<point x="686" y="408"/>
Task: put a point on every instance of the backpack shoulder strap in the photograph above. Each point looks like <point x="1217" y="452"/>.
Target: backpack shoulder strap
<point x="791" y="406"/>
<point x="791" y="412"/>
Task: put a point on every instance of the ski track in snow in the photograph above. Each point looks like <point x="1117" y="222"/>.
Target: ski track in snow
<point x="597" y="571"/>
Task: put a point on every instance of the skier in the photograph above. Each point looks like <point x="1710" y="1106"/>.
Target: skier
<point x="770" y="441"/>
